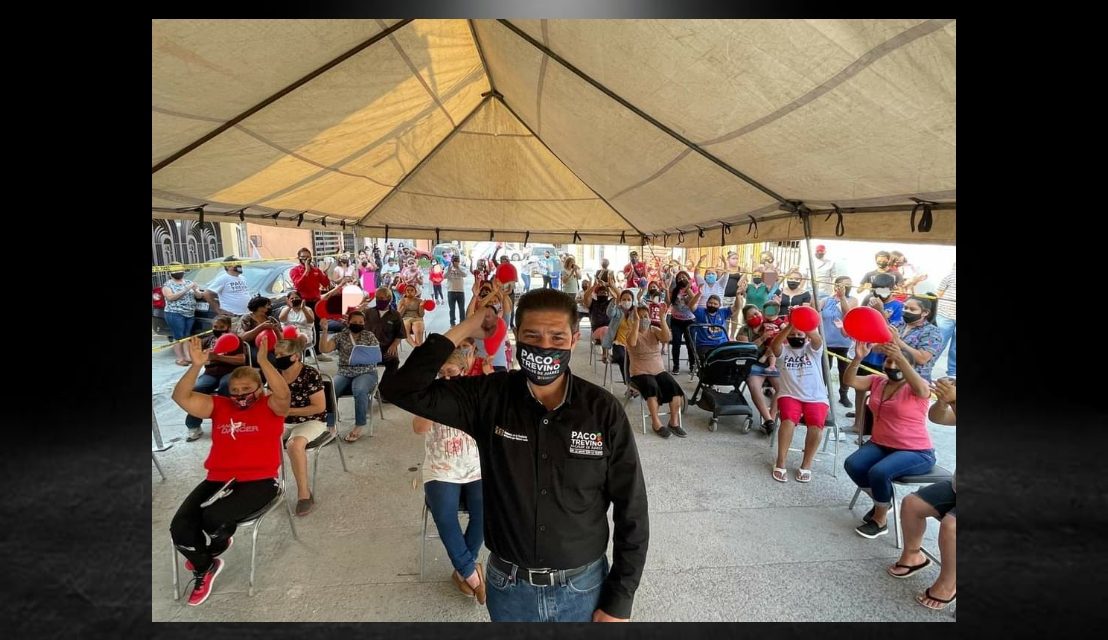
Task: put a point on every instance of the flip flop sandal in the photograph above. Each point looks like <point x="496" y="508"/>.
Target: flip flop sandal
<point x="926" y="595"/>
<point x="803" y="475"/>
<point x="350" y="437"/>
<point x="780" y="475"/>
<point x="911" y="568"/>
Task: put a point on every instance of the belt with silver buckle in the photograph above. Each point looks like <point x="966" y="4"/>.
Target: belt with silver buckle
<point x="535" y="577"/>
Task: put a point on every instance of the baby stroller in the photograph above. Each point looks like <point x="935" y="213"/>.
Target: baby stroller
<point x="724" y="366"/>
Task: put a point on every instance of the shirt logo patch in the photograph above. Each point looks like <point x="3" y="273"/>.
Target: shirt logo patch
<point x="586" y="444"/>
<point x="237" y="427"/>
<point x="509" y="435"/>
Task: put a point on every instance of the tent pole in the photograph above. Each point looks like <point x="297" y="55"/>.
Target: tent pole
<point x="825" y="360"/>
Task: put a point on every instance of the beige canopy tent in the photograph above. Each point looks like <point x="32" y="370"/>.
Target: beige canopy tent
<point x="590" y="131"/>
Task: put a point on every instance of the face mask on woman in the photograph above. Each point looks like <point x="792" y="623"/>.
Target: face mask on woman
<point x="710" y="278"/>
<point x="793" y="284"/>
<point x="910" y="317"/>
<point x="626" y="305"/>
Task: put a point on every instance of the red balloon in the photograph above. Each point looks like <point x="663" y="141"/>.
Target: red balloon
<point x="506" y="273"/>
<point x="226" y="343"/>
<point x="400" y="288"/>
<point x="429" y="305"/>
<point x="803" y="318"/>
<point x="329" y="309"/>
<point x="866" y="324"/>
<point x="289" y="333"/>
<point x="493" y="342"/>
<point x="271" y="339"/>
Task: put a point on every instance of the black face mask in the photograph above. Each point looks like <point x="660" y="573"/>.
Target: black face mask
<point x="541" y="366"/>
<point x="712" y="309"/>
<point x="282" y="363"/>
<point x="356" y="328"/>
<point x="756" y="280"/>
<point x="911" y="317"/>
<point x="895" y="375"/>
<point x="178" y="275"/>
<point x="296" y="303"/>
<point x="793" y="284"/>
<point x="846" y="291"/>
<point x="796" y="343"/>
<point x="218" y="332"/>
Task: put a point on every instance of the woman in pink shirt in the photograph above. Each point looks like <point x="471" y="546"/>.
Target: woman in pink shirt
<point x="900" y="444"/>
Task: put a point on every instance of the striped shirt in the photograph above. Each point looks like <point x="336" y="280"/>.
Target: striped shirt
<point x="947" y="304"/>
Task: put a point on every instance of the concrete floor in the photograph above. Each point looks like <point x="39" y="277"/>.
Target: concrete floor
<point x="728" y="543"/>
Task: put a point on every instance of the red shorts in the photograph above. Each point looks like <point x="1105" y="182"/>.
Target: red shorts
<point x="815" y="413"/>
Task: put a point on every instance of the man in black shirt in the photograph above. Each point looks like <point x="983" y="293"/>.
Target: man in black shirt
<point x="555" y="450"/>
<point x="385" y="323"/>
<point x="882" y="258"/>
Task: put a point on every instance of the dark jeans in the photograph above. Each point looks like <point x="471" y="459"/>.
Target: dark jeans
<point x="437" y="288"/>
<point x="208" y="384"/>
<point x="456" y="298"/>
<point x="310" y="304"/>
<point x="875" y="467"/>
<point x="619" y="356"/>
<point x="442" y="502"/>
<point x="218" y="520"/>
<point x="514" y="599"/>
<point x="677" y="328"/>
<point x="546" y="282"/>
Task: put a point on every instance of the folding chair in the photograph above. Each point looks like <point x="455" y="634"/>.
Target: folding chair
<point x="315" y="446"/>
<point x="157" y="465"/>
<point x="644" y="410"/>
<point x="329" y="383"/>
<point x="936" y="474"/>
<point x="253" y="521"/>
<point x="463" y="510"/>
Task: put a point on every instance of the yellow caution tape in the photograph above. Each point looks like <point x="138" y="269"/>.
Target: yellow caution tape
<point x="170" y="345"/>
<point x="167" y="268"/>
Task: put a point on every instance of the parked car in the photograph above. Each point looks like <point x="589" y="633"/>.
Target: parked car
<point x="269" y="278"/>
<point x="439" y="249"/>
<point x="538" y="251"/>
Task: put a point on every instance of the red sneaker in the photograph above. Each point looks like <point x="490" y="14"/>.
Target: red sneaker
<point x="230" y="543"/>
<point x="204" y="583"/>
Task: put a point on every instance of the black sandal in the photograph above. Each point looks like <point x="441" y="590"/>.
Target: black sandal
<point x="927" y="596"/>
<point x="911" y="569"/>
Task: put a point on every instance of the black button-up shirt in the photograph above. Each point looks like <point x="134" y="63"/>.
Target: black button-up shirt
<point x="549" y="476"/>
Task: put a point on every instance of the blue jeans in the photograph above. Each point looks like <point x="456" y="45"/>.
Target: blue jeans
<point x="875" y="467"/>
<point x="516" y="600"/>
<point x="442" y="502"/>
<point x="362" y="386"/>
<point x="456" y="299"/>
<point x="208" y="384"/>
<point x="179" y="326"/>
<point x="526" y="282"/>
<point x="949" y="329"/>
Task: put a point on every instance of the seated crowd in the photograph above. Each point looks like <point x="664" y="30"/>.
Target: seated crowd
<point x="636" y="327"/>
